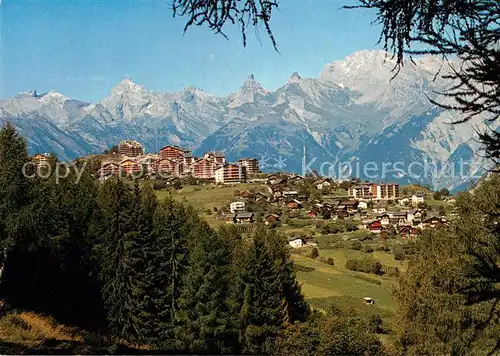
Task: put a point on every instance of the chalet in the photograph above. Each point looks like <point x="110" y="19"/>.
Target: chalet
<point x="434" y="222"/>
<point x="417" y="198"/>
<point x="244" y="218"/>
<point x="414" y="216"/>
<point x="237" y="206"/>
<point x="384" y="219"/>
<point x="295" y="178"/>
<point x="230" y="218"/>
<point x="295" y="242"/>
<point x="322" y="184"/>
<point x="271" y="219"/>
<point x="407" y="232"/>
<point x="333" y="204"/>
<point x="378" y="210"/>
<point x="375" y="226"/>
<point x="400" y="218"/>
<point x="276" y="190"/>
<point x="351" y="205"/>
<point x="362" y="205"/>
<point x="274" y="180"/>
<point x="294" y="204"/>
<point x="291" y="194"/>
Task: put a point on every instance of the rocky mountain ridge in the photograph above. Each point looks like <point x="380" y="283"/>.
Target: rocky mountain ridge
<point x="352" y="114"/>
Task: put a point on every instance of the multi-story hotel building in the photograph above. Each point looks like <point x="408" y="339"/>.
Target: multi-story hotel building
<point x="216" y="157"/>
<point x="388" y="191"/>
<point x="230" y="173"/>
<point x="179" y="154"/>
<point x="168" y="166"/>
<point x="374" y="191"/>
<point x="364" y="191"/>
<point x="203" y="168"/>
<point x="130" y="148"/>
<point x="251" y="165"/>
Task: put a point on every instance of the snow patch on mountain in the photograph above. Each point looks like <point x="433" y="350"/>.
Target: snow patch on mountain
<point x="354" y="110"/>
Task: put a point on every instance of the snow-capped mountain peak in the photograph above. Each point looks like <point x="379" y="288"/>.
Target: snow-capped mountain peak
<point x="251" y="85"/>
<point x="126" y="86"/>
<point x="353" y="109"/>
<point x="294" y="78"/>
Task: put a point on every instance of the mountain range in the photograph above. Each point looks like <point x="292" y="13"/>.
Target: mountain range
<point x="353" y="115"/>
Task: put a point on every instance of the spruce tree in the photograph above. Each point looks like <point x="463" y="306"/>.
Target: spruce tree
<point x="205" y="318"/>
<point x="257" y="299"/>
<point x="296" y="306"/>
<point x="167" y="269"/>
<point x="118" y="259"/>
<point x="141" y="252"/>
<point x="18" y="228"/>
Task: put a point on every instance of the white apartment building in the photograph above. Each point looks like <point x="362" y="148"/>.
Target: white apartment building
<point x="237" y="206"/>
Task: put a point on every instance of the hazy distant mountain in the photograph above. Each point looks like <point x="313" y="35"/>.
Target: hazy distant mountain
<point x="353" y="113"/>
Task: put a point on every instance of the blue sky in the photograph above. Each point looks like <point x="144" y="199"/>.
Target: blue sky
<point x="82" y="48"/>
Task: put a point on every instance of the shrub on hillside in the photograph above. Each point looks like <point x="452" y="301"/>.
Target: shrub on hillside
<point x="303" y="268"/>
<point x="314" y="253"/>
<point x="392" y="271"/>
<point x="367" y="249"/>
<point x="330" y="261"/>
<point x="364" y="235"/>
<point x="365" y="264"/>
<point x="399" y="254"/>
<point x="339" y="226"/>
<point x="160" y="185"/>
<point x="375" y="323"/>
<point x="356" y="245"/>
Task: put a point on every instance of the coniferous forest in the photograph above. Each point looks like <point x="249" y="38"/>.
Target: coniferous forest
<point x="137" y="275"/>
